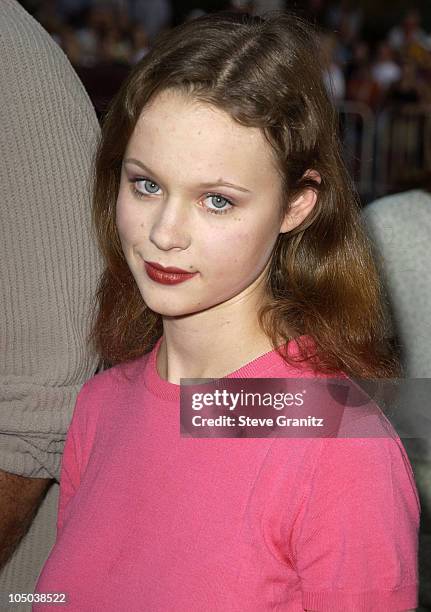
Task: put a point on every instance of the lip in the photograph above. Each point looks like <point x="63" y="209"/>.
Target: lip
<point x="168" y="269"/>
<point x="166" y="276"/>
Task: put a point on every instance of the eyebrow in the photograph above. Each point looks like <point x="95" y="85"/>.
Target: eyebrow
<point x="207" y="185"/>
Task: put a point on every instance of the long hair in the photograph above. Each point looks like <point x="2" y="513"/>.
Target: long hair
<point x="322" y="281"/>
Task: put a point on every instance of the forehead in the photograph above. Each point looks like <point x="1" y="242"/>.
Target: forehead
<point x="177" y="129"/>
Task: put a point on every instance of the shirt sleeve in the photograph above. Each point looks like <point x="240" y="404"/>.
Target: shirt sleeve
<point x="74" y="455"/>
<point x="80" y="440"/>
<point x="69" y="476"/>
<point x="355" y="538"/>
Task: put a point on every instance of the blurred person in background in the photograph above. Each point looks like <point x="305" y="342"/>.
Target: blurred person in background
<point x="95" y="25"/>
<point x="114" y="47"/>
<point x="69" y="42"/>
<point x="333" y="74"/>
<point x="410" y="88"/>
<point x="153" y="15"/>
<point x="362" y="87"/>
<point x="345" y="16"/>
<point x="359" y="57"/>
<point x="140" y="43"/>
<point x="408" y="32"/>
<point x="385" y="69"/>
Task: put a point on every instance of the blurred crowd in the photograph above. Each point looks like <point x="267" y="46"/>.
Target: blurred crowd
<point x="393" y="70"/>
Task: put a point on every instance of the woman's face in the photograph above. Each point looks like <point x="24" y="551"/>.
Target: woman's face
<point x="173" y="210"/>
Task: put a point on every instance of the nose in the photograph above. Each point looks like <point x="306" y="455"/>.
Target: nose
<point x="170" y="228"/>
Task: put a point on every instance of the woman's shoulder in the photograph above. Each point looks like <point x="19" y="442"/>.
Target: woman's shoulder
<point x="117" y="378"/>
<point x="102" y="395"/>
<point x="297" y="359"/>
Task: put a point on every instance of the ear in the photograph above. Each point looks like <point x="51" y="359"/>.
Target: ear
<point x="302" y="205"/>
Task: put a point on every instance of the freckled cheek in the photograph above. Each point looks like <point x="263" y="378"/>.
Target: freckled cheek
<point x="233" y="255"/>
<point x="130" y="224"/>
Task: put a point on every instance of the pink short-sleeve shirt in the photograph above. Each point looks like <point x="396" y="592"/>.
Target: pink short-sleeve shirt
<point x="151" y="520"/>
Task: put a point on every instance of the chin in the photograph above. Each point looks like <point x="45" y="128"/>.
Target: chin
<point x="173" y="309"/>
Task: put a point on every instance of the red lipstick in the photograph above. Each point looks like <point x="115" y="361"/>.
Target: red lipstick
<point x="167" y="276"/>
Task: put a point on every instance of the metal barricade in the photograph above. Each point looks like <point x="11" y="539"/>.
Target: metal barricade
<point x="385" y="151"/>
<point x="403" y="146"/>
<point x="357" y="132"/>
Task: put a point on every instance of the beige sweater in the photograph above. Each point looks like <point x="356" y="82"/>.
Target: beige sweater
<point x="49" y="264"/>
<point x="400" y="228"/>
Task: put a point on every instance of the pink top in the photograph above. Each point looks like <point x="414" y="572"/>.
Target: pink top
<point x="150" y="520"/>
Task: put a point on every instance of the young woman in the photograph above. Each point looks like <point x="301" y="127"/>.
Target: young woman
<point x="233" y="249"/>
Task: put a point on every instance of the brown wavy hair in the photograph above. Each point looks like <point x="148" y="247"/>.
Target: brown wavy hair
<point x="322" y="281"/>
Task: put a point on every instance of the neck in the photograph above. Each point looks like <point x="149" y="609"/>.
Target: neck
<point x="211" y="343"/>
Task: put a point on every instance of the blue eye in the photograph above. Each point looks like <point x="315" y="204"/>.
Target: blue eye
<point x="148" y="183"/>
<point x="150" y="188"/>
<point x="220" y="204"/>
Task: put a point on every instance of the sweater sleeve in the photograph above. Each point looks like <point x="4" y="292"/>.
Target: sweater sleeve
<point x="49" y="264"/>
<point x="355" y="537"/>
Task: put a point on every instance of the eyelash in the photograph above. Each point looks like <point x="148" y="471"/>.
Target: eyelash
<point x="139" y="194"/>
